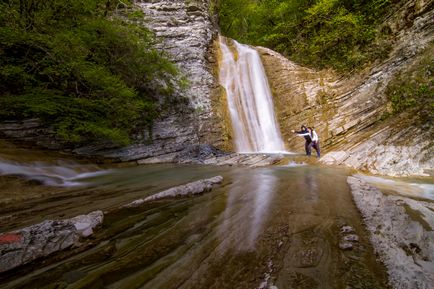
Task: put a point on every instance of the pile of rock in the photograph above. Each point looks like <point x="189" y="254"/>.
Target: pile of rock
<point x="348" y="238"/>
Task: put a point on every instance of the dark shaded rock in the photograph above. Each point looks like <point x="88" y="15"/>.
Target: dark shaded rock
<point x="199" y="153"/>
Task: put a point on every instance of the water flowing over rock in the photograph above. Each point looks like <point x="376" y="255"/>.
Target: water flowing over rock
<point x="401" y="232"/>
<point x="249" y="99"/>
<point x="25" y="245"/>
<point x="189" y="189"/>
<point x="348" y="112"/>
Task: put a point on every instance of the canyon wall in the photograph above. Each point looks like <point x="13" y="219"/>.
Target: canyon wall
<point x="185" y="32"/>
<point x="348" y="112"/>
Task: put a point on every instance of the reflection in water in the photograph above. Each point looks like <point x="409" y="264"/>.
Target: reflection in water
<point x="310" y="183"/>
<point x="275" y="225"/>
<point x="247" y="209"/>
<point x="62" y="173"/>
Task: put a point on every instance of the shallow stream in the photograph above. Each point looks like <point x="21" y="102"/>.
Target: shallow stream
<point x="276" y="226"/>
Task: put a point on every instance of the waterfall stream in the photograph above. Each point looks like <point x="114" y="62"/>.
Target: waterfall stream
<point x="249" y="98"/>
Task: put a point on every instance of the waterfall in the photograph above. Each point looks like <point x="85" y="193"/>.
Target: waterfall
<point x="249" y="98"/>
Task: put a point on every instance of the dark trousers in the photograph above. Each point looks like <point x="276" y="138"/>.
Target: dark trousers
<point x="315" y="145"/>
<point x="307" y="147"/>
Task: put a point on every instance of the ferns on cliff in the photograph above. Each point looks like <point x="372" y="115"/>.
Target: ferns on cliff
<point x="80" y="68"/>
<point x="322" y="33"/>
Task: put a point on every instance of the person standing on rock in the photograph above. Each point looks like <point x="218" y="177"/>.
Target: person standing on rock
<point x="315" y="141"/>
<point x="304" y="132"/>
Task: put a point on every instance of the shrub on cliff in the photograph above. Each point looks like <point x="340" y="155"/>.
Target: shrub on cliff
<point x="413" y="90"/>
<point x="80" y="68"/>
<point x="319" y="33"/>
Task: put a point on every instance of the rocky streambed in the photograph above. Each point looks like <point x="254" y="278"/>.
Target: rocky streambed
<point x="246" y="221"/>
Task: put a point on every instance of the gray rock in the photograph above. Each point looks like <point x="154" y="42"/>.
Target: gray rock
<point x="345" y="246"/>
<point x="347" y="229"/>
<point x="189" y="189"/>
<point x="209" y="155"/>
<point x="351" y="238"/>
<point x="404" y="242"/>
<point x="25" y="245"/>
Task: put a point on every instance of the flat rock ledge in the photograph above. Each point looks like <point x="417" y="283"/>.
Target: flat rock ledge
<point x="205" y="154"/>
<point x="25" y="245"/>
<point x="189" y="189"/>
<point x="401" y="232"/>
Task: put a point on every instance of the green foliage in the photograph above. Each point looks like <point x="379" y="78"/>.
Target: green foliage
<point x="320" y="33"/>
<point x="414" y="90"/>
<point x="80" y="68"/>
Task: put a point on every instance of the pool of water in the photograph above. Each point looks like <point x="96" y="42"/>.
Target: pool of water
<point x="275" y="226"/>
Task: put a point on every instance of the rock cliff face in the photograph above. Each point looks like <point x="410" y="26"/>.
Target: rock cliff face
<point x="348" y="112"/>
<point x="185" y="32"/>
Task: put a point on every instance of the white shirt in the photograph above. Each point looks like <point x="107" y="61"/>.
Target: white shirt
<point x="314" y="136"/>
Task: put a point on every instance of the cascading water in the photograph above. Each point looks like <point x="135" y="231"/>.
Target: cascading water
<point x="249" y="98"/>
<point x="61" y="173"/>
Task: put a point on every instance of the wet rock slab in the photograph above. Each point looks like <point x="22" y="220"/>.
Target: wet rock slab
<point x="209" y="155"/>
<point x="401" y="232"/>
<point x="189" y="189"/>
<point x="25" y="245"/>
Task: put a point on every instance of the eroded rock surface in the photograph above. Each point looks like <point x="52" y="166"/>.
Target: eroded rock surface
<point x="348" y="112"/>
<point x="189" y="189"/>
<point x="25" y="245"/>
<point x="401" y="232"/>
<point x="209" y="155"/>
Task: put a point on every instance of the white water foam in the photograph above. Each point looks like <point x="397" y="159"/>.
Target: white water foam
<point x="62" y="173"/>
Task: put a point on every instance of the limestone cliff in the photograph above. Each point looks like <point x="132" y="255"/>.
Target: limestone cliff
<point x="185" y="32"/>
<point x="347" y="112"/>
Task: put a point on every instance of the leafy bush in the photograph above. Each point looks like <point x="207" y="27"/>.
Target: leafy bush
<point x="320" y="33"/>
<point x="80" y="68"/>
<point x="414" y="89"/>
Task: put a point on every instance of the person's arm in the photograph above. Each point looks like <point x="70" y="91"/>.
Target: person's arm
<point x="314" y="136"/>
<point x="302" y="134"/>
